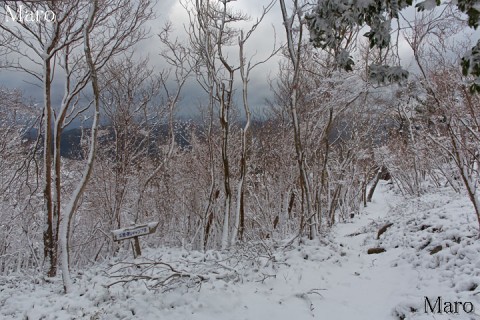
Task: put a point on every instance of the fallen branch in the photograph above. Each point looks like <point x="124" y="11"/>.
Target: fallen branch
<point x="165" y="274"/>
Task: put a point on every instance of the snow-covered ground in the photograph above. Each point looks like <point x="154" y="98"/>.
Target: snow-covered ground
<point x="333" y="278"/>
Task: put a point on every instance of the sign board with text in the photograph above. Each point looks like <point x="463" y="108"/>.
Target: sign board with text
<point x="134" y="231"/>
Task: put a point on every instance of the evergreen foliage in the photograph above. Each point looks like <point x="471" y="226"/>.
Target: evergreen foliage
<point x="329" y="17"/>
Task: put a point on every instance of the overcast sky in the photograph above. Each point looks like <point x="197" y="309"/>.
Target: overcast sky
<point x="259" y="47"/>
<point x="260" y="44"/>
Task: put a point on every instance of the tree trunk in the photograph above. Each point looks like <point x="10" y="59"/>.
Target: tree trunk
<point x="240" y="214"/>
<point x="72" y="206"/>
<point x="49" y="238"/>
<point x="374" y="185"/>
<point x="468" y="176"/>
<point x="294" y="55"/>
<point x="224" y="115"/>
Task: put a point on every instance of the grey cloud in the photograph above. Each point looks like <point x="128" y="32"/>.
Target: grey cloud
<point x="171" y="10"/>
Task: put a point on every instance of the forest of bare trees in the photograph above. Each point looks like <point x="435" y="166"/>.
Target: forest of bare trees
<point x="328" y="134"/>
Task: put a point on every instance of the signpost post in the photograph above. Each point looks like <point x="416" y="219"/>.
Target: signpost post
<point x="134" y="232"/>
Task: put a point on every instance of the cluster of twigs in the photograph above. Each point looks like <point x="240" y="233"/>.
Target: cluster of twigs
<point x="232" y="265"/>
<point x="165" y="276"/>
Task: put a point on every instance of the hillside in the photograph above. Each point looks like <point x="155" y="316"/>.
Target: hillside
<point x="431" y="251"/>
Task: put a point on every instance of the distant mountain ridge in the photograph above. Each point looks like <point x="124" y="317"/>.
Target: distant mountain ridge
<point x="70" y="145"/>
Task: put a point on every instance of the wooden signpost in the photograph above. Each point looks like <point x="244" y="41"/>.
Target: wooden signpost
<point x="134" y="232"/>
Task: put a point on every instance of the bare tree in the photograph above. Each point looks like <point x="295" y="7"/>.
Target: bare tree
<point x="294" y="53"/>
<point x="113" y="39"/>
<point x="212" y="35"/>
<point x="40" y="46"/>
<point x="56" y="45"/>
<point x="177" y="56"/>
<point x="450" y="116"/>
<point x="245" y="70"/>
<point x="129" y="90"/>
<point x="18" y="183"/>
<point x="71" y="207"/>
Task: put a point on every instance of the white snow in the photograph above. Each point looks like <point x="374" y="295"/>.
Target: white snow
<point x="329" y="278"/>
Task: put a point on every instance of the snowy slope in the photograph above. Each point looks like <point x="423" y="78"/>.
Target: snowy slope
<point x="333" y="278"/>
